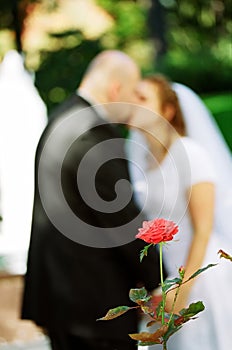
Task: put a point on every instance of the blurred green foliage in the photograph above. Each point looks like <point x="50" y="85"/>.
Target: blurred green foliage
<point x="199" y="44"/>
<point x="200" y="71"/>
<point x="195" y="36"/>
<point x="61" y="71"/>
<point x="221" y="107"/>
<point x="129" y="21"/>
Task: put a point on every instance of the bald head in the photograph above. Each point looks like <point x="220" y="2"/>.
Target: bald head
<point x="112" y="76"/>
<point x="111" y="62"/>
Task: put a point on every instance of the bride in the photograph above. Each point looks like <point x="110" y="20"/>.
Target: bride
<point x="175" y="178"/>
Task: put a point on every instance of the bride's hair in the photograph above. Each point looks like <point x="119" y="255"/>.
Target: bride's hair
<point x="168" y="96"/>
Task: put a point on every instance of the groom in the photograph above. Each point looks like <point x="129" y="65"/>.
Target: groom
<point x="83" y="258"/>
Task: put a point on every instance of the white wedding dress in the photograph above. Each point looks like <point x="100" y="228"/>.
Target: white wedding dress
<point x="161" y="192"/>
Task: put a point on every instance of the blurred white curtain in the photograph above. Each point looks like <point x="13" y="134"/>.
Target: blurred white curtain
<point x="23" y="116"/>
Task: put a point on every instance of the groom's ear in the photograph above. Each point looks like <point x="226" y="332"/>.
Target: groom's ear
<point x="114" y="91"/>
<point x="169" y="111"/>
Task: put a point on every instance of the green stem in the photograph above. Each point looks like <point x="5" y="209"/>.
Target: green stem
<point x="162" y="282"/>
<point x="176" y="295"/>
<point x="165" y="345"/>
<point x="173" y="304"/>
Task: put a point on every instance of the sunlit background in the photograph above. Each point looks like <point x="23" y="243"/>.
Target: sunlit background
<point x="188" y="40"/>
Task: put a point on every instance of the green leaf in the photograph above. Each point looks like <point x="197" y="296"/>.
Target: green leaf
<point x="144" y="251"/>
<point x="193" y="309"/>
<point x="185" y="315"/>
<point x="171" y="330"/>
<point x="169" y="283"/>
<point x="159" y="309"/>
<point x="139" y="295"/>
<point x="200" y="271"/>
<point x="113" y="313"/>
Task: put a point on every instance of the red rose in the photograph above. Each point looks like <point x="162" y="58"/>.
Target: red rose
<point x="158" y="230"/>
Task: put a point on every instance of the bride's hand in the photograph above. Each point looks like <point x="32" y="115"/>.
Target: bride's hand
<point x="181" y="301"/>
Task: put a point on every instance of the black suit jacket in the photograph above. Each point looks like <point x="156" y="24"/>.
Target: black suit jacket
<point x="72" y="282"/>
